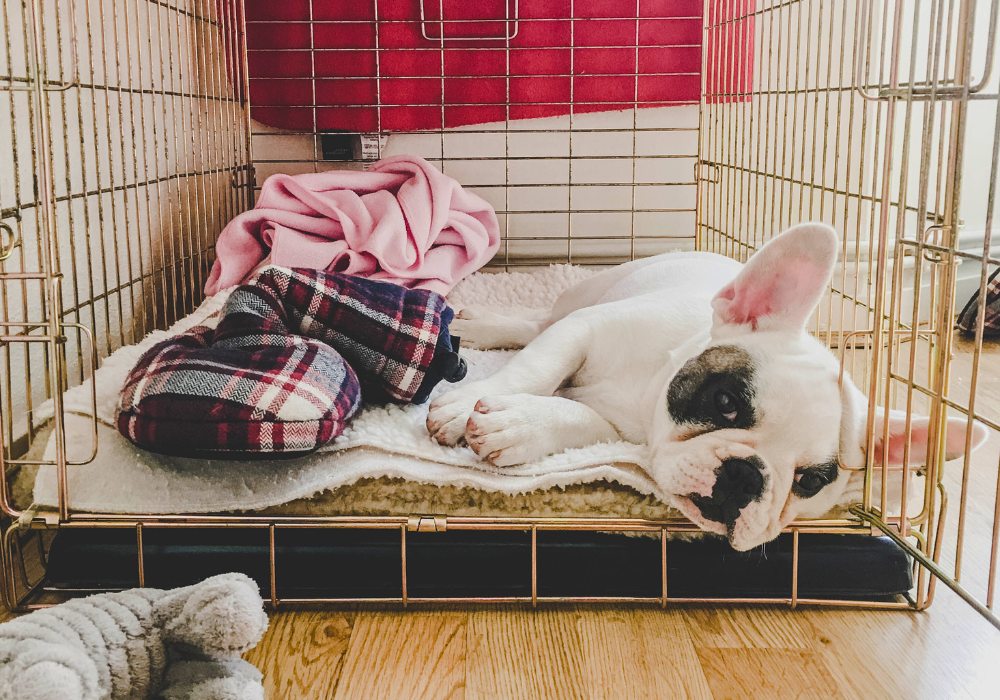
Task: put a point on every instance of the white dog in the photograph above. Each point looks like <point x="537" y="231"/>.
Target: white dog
<point x="706" y="361"/>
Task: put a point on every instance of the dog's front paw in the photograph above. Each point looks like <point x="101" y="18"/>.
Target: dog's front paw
<point x="510" y="430"/>
<point x="448" y="414"/>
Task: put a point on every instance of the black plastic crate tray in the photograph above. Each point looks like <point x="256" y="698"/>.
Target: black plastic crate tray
<point x="335" y="563"/>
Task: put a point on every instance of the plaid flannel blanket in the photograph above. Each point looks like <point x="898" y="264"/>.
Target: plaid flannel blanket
<point x="287" y="366"/>
<point x="991" y="324"/>
<point x="395" y="338"/>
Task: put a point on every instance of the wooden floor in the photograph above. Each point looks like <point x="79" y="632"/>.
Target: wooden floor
<point x="630" y="652"/>
<point x="734" y="652"/>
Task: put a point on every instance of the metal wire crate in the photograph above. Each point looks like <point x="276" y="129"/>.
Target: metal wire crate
<point x="133" y="130"/>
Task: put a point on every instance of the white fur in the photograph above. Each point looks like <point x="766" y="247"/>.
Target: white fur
<point x="600" y="366"/>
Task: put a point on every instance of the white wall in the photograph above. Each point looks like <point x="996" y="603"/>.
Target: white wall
<point x="505" y="169"/>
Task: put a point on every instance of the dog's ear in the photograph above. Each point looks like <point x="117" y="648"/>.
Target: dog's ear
<point x="890" y="451"/>
<point x="782" y="283"/>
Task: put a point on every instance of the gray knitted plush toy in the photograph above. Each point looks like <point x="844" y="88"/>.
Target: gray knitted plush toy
<point x="143" y="643"/>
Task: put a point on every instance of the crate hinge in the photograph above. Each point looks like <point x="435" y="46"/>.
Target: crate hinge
<point x="427" y="523"/>
<point x="34" y="514"/>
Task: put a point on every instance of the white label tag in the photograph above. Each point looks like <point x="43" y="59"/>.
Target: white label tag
<point x="372" y="146"/>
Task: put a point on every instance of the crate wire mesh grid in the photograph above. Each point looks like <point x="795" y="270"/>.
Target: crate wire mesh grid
<point x="132" y="140"/>
<point x="858" y="115"/>
<point x="539" y="100"/>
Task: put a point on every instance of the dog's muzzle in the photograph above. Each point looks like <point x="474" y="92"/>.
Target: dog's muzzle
<point x="738" y="482"/>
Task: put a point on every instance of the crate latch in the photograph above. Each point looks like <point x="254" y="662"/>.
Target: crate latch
<point x="427" y="523"/>
<point x="707" y="172"/>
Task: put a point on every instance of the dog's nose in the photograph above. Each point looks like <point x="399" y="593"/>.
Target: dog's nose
<point x="737" y="483"/>
<point x="741" y="480"/>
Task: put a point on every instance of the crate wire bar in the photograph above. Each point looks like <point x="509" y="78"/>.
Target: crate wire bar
<point x="578" y="183"/>
<point x="857" y="114"/>
<point x="134" y="136"/>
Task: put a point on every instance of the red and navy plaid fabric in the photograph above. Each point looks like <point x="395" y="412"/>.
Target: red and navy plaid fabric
<point x="266" y="393"/>
<point x="967" y="320"/>
<point x="389" y="334"/>
<point x="287" y="365"/>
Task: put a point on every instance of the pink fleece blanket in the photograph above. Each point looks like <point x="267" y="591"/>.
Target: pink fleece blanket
<point x="402" y="221"/>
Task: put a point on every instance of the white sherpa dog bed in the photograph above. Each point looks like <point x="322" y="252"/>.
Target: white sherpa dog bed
<point x="380" y="444"/>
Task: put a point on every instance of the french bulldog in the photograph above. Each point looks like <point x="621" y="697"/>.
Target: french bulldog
<point x="708" y="362"/>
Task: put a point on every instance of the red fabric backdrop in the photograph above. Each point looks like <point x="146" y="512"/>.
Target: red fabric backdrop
<point x="329" y="64"/>
<point x="729" y="44"/>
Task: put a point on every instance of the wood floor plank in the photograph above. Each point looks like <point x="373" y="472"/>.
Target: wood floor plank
<point x="748" y="627"/>
<point x="637" y="653"/>
<point x="669" y="652"/>
<point x="517" y="653"/>
<point x="735" y="674"/>
<point x="302" y="653"/>
<point x="948" y="651"/>
<point x="418" y="654"/>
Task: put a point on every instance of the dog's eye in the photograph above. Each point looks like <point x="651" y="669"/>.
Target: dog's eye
<point x="809" y="482"/>
<point x="727" y="405"/>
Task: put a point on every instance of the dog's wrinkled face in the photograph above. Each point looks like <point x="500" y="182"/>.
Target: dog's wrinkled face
<point x="775" y="397"/>
<point x="752" y="429"/>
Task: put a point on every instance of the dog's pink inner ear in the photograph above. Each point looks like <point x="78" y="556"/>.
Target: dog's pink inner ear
<point x="782" y="283"/>
<point x="769" y="293"/>
<point x="892" y="453"/>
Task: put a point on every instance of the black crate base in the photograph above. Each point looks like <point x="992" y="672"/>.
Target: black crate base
<point x="333" y="563"/>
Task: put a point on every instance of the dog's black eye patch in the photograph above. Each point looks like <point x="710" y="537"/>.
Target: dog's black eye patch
<point x="714" y="389"/>
<point x="809" y="481"/>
